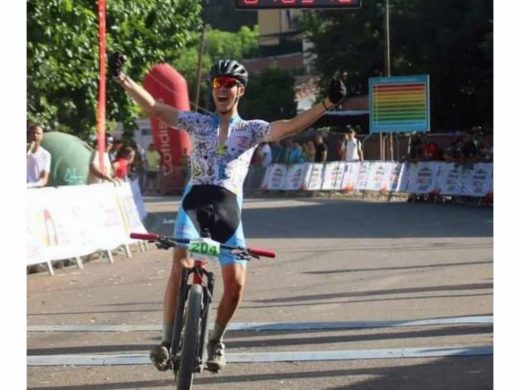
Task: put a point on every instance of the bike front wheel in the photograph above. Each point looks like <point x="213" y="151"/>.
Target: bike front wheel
<point x="191" y="338"/>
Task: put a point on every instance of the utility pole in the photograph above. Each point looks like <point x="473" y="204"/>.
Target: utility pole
<point x="199" y="67"/>
<point x="388" y="72"/>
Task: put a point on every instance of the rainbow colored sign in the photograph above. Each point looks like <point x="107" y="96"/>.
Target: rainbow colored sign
<point x="399" y="104"/>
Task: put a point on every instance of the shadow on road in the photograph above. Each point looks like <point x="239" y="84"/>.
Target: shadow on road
<point x="319" y="218"/>
<point x="457" y="373"/>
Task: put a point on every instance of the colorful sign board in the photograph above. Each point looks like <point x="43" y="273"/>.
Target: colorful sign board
<point x="399" y="104"/>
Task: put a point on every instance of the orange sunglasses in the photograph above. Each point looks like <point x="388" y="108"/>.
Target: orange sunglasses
<point x="226" y="81"/>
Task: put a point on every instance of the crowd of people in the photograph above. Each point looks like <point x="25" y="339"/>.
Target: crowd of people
<point x="471" y="147"/>
<point x="315" y="149"/>
<point x="127" y="161"/>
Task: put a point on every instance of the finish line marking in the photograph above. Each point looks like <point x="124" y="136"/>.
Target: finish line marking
<point x="273" y="326"/>
<point x="258" y="357"/>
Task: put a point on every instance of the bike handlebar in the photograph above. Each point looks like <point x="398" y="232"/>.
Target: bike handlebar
<point x="171" y="241"/>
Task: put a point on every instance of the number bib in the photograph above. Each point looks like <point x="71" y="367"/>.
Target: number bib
<point x="205" y="248"/>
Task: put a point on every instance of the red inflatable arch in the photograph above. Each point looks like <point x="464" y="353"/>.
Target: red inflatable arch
<point x="165" y="84"/>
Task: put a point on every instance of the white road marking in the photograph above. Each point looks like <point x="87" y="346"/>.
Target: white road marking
<point x="273" y="326"/>
<point x="269" y="357"/>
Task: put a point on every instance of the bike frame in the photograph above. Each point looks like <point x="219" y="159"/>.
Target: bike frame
<point x="200" y="287"/>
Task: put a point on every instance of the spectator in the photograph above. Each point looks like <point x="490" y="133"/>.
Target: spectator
<point x="309" y="151"/>
<point x="117" y="145"/>
<point x="453" y="153"/>
<point x="265" y="153"/>
<point x="277" y="152"/>
<point x="321" y="149"/>
<point x="293" y="152"/>
<point x="470" y="149"/>
<point x="430" y="151"/>
<point x="152" y="164"/>
<point x="352" y="148"/>
<point x="38" y="159"/>
<point x="123" y="163"/>
<point x="95" y="174"/>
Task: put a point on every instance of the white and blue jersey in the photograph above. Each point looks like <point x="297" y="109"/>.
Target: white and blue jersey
<point x="224" y="166"/>
<point x="217" y="177"/>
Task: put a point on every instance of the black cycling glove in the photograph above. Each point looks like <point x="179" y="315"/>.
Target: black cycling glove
<point x="337" y="91"/>
<point x="115" y="64"/>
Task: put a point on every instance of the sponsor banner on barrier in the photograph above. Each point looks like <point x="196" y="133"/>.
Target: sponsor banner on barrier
<point x="421" y="178"/>
<point x="450" y="179"/>
<point x="295" y="177"/>
<point x="350" y="176"/>
<point x="479" y="181"/>
<point x="313" y="176"/>
<point x="394" y="177"/>
<point x="377" y="173"/>
<point x="333" y="175"/>
<point x="362" y="181"/>
<point x="72" y="221"/>
<point x="424" y="179"/>
<point x="276" y="178"/>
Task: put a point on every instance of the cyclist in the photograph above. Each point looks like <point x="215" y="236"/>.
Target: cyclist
<point x="223" y="144"/>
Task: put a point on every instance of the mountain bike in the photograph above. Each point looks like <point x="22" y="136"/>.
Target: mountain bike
<point x="190" y="331"/>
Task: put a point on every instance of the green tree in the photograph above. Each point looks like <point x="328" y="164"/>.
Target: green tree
<point x="218" y="45"/>
<point x="269" y="96"/>
<point x="62" y="55"/>
<point x="451" y="41"/>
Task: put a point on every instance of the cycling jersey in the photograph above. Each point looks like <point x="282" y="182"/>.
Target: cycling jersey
<point x="217" y="177"/>
<point x="227" y="165"/>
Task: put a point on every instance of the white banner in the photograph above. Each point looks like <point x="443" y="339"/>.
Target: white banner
<point x="450" y="179"/>
<point x="313" y="176"/>
<point x="276" y="177"/>
<point x="333" y="175"/>
<point x="479" y="180"/>
<point x="350" y="176"/>
<point x="295" y="177"/>
<point x="362" y="182"/>
<point x="386" y="176"/>
<point x="423" y="180"/>
<point x="377" y="173"/>
<point x="394" y="177"/>
<point x="72" y="221"/>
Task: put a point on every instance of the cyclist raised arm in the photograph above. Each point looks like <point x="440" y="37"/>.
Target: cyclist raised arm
<point x="223" y="144"/>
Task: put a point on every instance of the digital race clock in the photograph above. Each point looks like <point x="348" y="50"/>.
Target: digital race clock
<point x="281" y="4"/>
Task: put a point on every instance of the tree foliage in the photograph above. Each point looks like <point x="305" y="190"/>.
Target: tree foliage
<point x="269" y="96"/>
<point x="218" y="45"/>
<point x="451" y="41"/>
<point x="62" y="55"/>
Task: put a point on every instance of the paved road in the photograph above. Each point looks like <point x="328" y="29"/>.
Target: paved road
<point x="399" y="295"/>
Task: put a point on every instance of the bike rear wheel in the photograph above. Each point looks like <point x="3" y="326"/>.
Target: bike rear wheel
<point x="191" y="338"/>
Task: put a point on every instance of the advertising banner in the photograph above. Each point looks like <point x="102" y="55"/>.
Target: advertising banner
<point x="479" y="180"/>
<point x="350" y="176"/>
<point x="362" y="182"/>
<point x="295" y="177"/>
<point x="376" y="175"/>
<point x="314" y="176"/>
<point x="276" y="178"/>
<point x="333" y="175"/>
<point x="72" y="221"/>
<point x="450" y="179"/>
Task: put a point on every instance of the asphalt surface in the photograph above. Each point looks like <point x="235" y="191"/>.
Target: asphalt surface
<point x="342" y="265"/>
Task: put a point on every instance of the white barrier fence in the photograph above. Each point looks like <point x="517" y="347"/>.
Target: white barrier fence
<point x="73" y="221"/>
<point x="383" y="176"/>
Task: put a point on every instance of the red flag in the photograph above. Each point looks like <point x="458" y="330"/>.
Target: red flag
<point x="102" y="84"/>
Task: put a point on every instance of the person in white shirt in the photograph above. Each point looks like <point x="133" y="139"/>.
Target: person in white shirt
<point x="38" y="159"/>
<point x="95" y="174"/>
<point x="266" y="154"/>
<point x="352" y="150"/>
